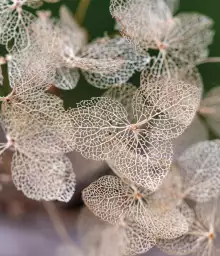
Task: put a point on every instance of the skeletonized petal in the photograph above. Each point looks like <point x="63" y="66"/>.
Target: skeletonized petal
<point x="115" y="48"/>
<point x="43" y="177"/>
<point x="200" y="170"/>
<point x="66" y="78"/>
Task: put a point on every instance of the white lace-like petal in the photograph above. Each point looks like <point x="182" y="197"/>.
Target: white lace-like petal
<point x="66" y="78"/>
<point x="115" y="48"/>
<point x="199" y="166"/>
<point x="43" y="177"/>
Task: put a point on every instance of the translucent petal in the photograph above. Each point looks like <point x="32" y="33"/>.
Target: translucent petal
<point x="183" y="245"/>
<point x="173" y="4"/>
<point x="196" y="132"/>
<point x="43" y="177"/>
<point x="210" y="107"/>
<point x="126" y="238"/>
<point x="202" y="238"/>
<point x="199" y="166"/>
<point x="108" y="198"/>
<point x="182" y="41"/>
<point x="168" y="195"/>
<point x="77" y="34"/>
<point x="135" y="237"/>
<point x="147" y="166"/>
<point x="66" y="78"/>
<point x="115" y="48"/>
<point x="101" y="124"/>
<point x="14" y="25"/>
<point x="111" y="199"/>
<point x="151" y="19"/>
<point x="122" y="93"/>
<point x="28" y="71"/>
<point x="33" y="3"/>
<point x="97" y="123"/>
<point x="33" y="129"/>
<point x="169" y="105"/>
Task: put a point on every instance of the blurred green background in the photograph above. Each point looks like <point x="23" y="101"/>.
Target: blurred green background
<point x="99" y="21"/>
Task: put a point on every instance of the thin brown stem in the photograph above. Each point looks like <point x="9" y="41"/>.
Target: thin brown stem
<point x="57" y="222"/>
<point x="82" y="10"/>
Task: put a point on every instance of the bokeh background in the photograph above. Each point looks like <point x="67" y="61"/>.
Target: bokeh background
<point x="26" y="228"/>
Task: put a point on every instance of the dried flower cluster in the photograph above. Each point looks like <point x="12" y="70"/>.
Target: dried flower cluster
<point x="156" y="197"/>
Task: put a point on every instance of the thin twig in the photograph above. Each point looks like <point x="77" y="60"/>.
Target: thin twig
<point x="210" y="60"/>
<point x="57" y="222"/>
<point x="82" y="10"/>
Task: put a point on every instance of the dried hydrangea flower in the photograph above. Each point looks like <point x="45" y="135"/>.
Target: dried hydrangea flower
<point x="70" y="39"/>
<point x="15" y="22"/>
<point x="182" y="40"/>
<point x="161" y="111"/>
<point x="102" y="239"/>
<point x="209" y="109"/>
<point x="113" y="48"/>
<point x="203" y="236"/>
<point x="112" y="200"/>
<point x="200" y="171"/>
<point x="39" y="167"/>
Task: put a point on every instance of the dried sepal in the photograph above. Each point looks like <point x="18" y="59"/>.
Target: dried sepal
<point x="168" y="195"/>
<point x="126" y="238"/>
<point x="15" y="22"/>
<point x="77" y="35"/>
<point x="141" y="21"/>
<point x="186" y="51"/>
<point x="196" y="132"/>
<point x="32" y="131"/>
<point x="27" y="71"/>
<point x="202" y="237"/>
<point x="173" y="4"/>
<point x="146" y="164"/>
<point x="168" y="105"/>
<point x="210" y="107"/>
<point x="199" y="167"/>
<point x="111" y="199"/>
<point x="66" y="79"/>
<point x="122" y="93"/>
<point x="113" y="48"/>
<point x="161" y="111"/>
<point x="182" y="40"/>
<point x="43" y="176"/>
